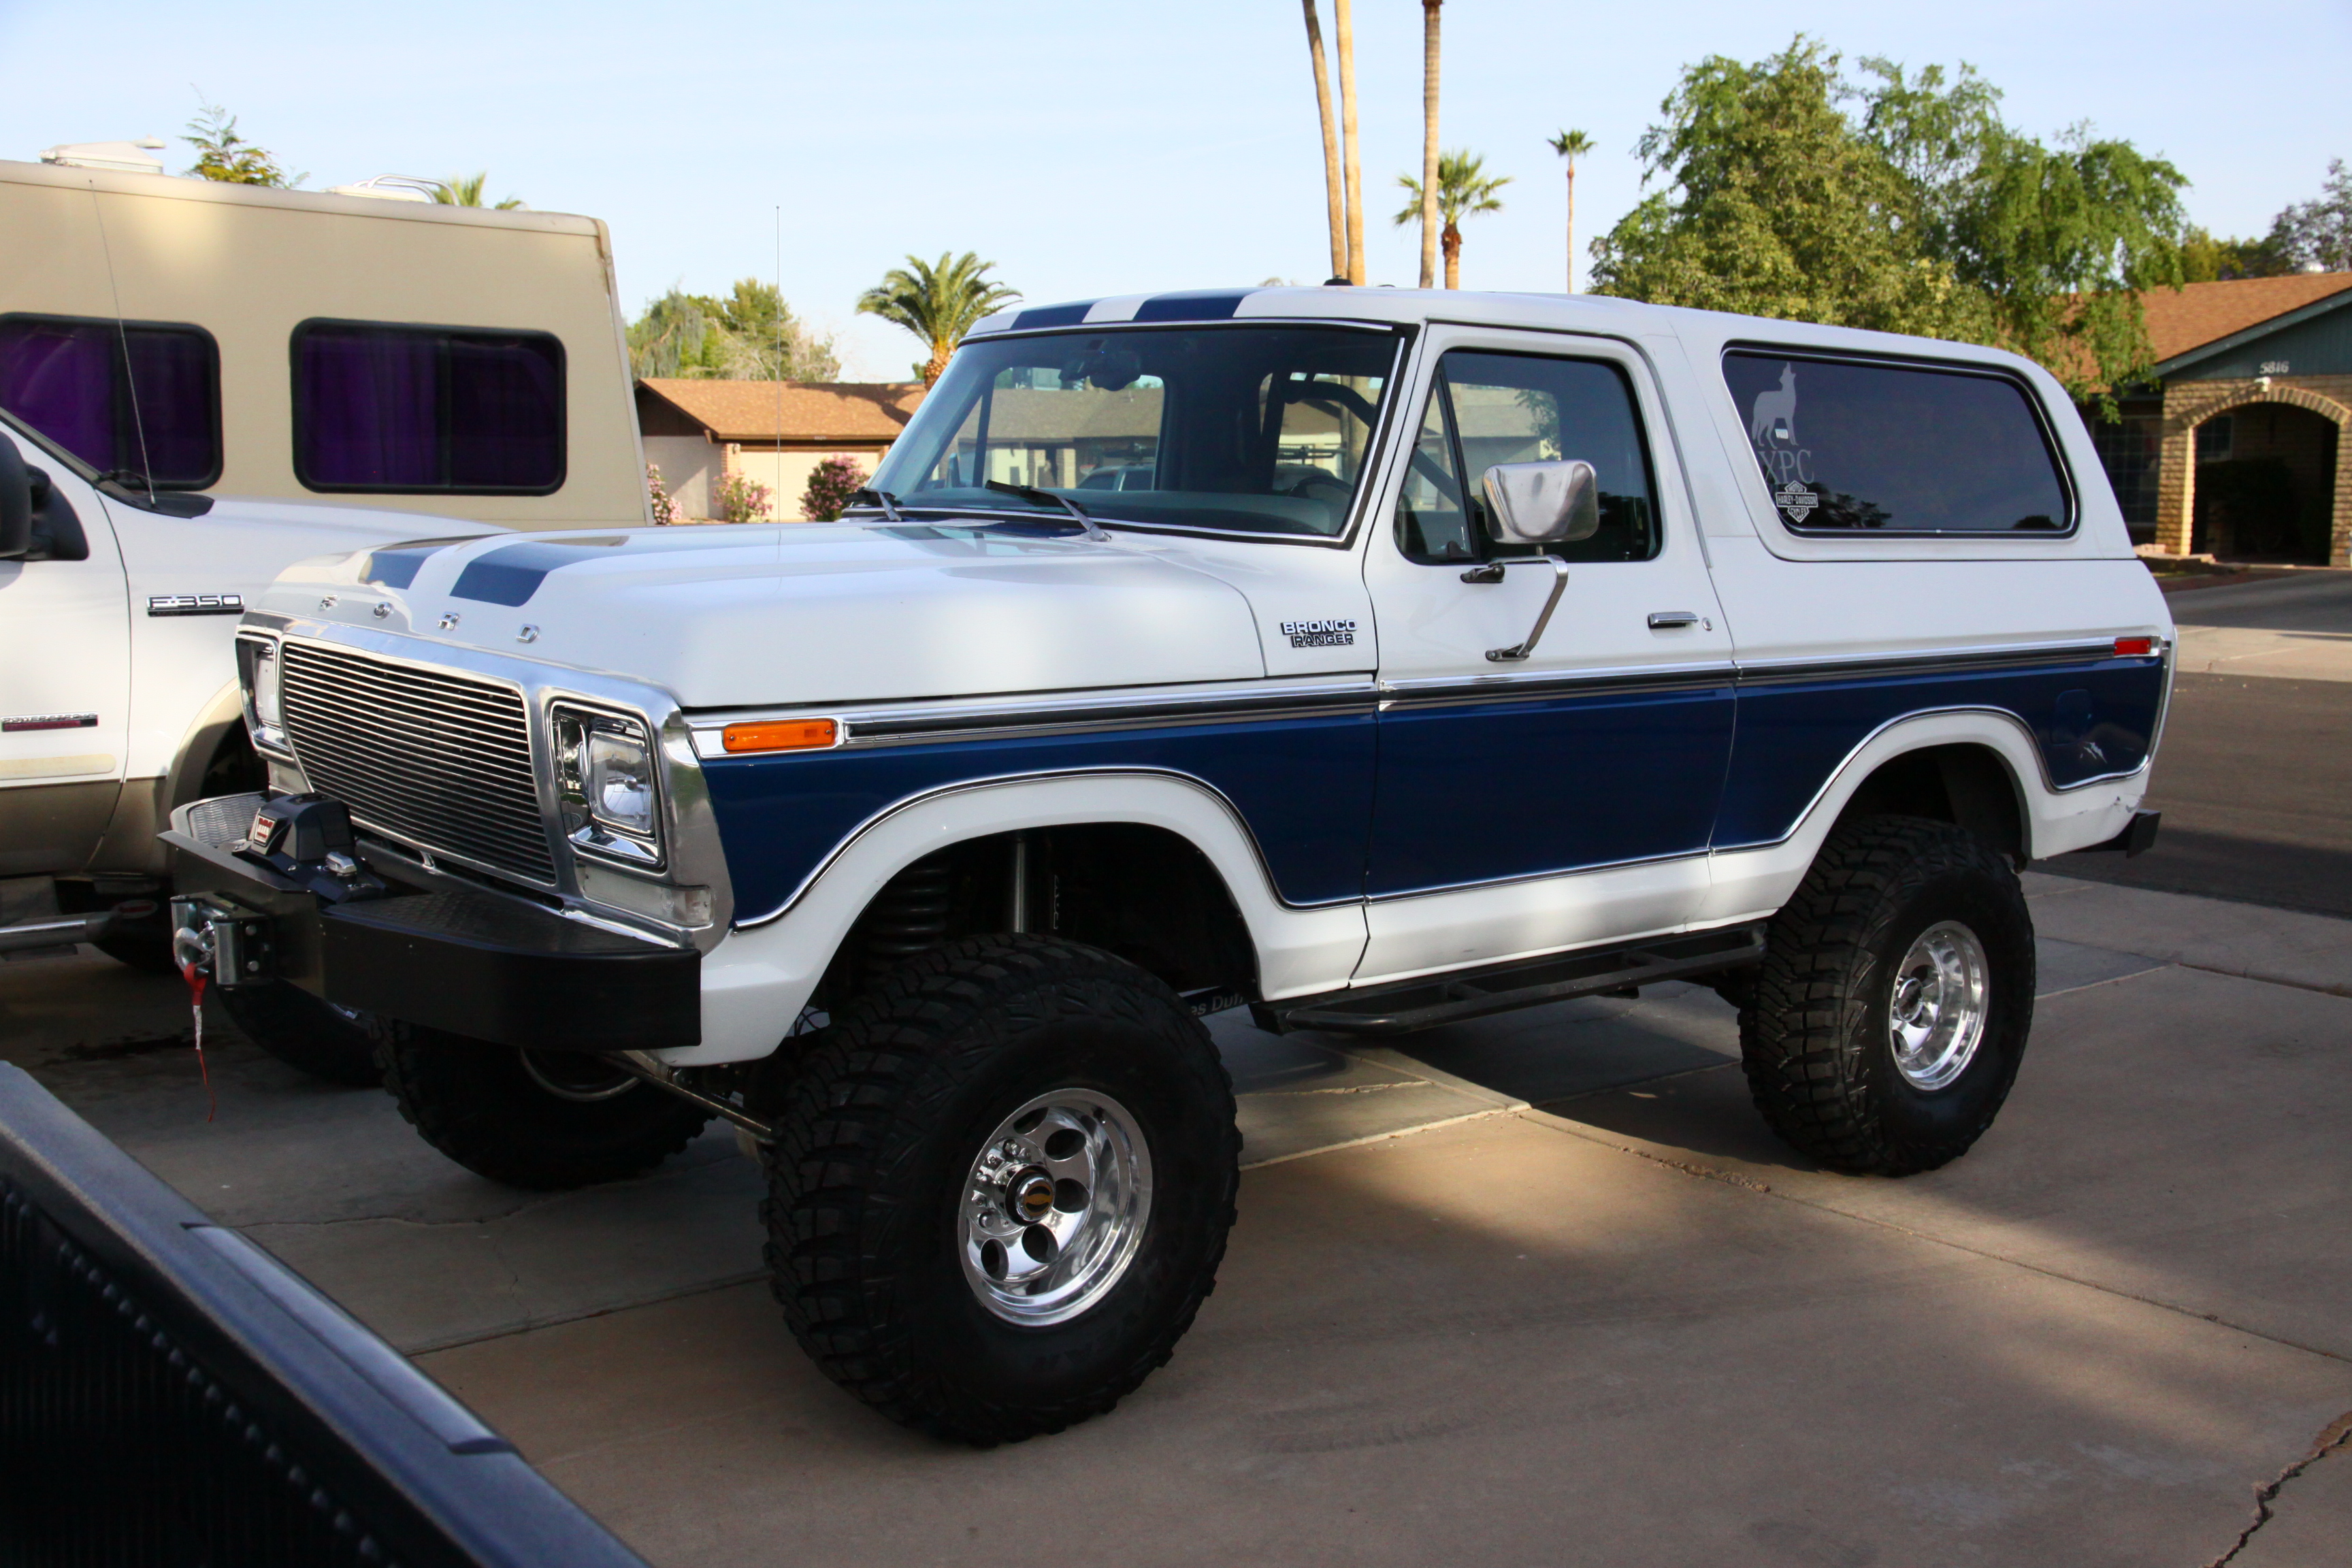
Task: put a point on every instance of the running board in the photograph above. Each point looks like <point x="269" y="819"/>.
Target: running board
<point x="1444" y="999"/>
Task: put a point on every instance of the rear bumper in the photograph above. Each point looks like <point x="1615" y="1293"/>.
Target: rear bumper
<point x="477" y="964"/>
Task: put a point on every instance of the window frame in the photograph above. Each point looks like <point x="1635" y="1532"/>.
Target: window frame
<point x="1474" y="503"/>
<point x="122" y="389"/>
<point x="2053" y="448"/>
<point x="300" y="422"/>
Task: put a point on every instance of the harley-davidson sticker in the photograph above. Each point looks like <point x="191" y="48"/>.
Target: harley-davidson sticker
<point x="1321" y="634"/>
<point x="1796" y="500"/>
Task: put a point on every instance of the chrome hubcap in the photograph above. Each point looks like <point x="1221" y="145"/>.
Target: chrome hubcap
<point x="1055" y="1206"/>
<point x="1936" y="1015"/>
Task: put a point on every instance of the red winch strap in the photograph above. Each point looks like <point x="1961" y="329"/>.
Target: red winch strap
<point x="196" y="980"/>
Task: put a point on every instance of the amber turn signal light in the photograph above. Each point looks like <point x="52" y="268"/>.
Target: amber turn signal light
<point x="782" y="735"/>
<point x="2126" y="648"/>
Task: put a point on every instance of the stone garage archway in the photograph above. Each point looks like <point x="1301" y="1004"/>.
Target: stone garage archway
<point x="2190" y="405"/>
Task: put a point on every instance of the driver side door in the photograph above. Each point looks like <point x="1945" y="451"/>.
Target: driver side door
<point x="1567" y="795"/>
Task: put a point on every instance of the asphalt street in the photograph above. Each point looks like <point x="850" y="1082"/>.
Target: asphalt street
<point x="2254" y="775"/>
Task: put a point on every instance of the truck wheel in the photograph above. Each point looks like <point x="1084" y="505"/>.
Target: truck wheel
<point x="1894" y="1001"/>
<point x="1001" y="1186"/>
<point x="544" y="1120"/>
<point x="301" y="1031"/>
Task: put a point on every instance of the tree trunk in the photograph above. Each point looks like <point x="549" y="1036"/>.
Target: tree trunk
<point x="1451" y="241"/>
<point x="1331" y="177"/>
<point x="1343" y="16"/>
<point x="1429" y="144"/>
<point x="1572" y="226"/>
<point x="939" y="362"/>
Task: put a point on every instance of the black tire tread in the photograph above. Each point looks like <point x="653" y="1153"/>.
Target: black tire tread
<point x="1798" y="1033"/>
<point x="848" y="1117"/>
<point x="303" y="1032"/>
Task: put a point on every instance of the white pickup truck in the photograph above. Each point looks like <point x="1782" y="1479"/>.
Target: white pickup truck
<point x="1426" y="655"/>
<point x="119" y="608"/>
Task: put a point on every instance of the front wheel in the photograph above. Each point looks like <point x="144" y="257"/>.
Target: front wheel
<point x="1001" y="1186"/>
<point x="1888" y="1017"/>
<point x="298" y="1029"/>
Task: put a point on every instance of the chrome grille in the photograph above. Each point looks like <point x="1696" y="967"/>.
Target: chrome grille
<point x="440" y="762"/>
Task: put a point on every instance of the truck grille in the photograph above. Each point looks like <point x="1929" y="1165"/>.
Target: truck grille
<point x="440" y="762"/>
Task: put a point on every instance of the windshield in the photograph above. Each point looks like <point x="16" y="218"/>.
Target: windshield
<point x="1235" y="429"/>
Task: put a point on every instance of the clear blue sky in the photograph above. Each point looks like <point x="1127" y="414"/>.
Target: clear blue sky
<point x="1098" y="148"/>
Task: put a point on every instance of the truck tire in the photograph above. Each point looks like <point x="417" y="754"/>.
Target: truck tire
<point x="1001" y="1186"/>
<point x="1890" y="1009"/>
<point x="542" y="1120"/>
<point x="301" y="1031"/>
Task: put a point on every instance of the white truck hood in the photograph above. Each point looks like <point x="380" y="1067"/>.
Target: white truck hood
<point x="750" y="616"/>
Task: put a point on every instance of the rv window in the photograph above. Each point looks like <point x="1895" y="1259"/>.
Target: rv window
<point x="394" y="409"/>
<point x="137" y="398"/>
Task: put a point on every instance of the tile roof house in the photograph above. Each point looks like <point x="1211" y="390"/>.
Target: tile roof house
<point x="2241" y="449"/>
<point x="775" y="433"/>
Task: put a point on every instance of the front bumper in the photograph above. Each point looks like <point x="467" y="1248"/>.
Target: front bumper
<point x="478" y="965"/>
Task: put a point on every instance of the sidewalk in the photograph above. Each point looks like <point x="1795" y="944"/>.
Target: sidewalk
<point x="2297" y="628"/>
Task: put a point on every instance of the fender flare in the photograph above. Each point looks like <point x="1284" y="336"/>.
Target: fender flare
<point x="224" y="712"/>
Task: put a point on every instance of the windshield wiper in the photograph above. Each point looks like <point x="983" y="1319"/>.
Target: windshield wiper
<point x="1048" y="499"/>
<point x="882" y="499"/>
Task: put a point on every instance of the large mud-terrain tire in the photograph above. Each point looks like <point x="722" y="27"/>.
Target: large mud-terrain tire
<point x="547" y="1121"/>
<point x="301" y="1031"/>
<point x="987" y="1090"/>
<point x="1905" y="936"/>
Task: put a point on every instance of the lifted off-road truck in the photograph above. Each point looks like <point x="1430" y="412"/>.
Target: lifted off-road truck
<point x="1369" y="658"/>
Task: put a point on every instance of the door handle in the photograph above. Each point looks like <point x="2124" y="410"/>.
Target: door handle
<point x="1662" y="620"/>
<point x="1558" y="586"/>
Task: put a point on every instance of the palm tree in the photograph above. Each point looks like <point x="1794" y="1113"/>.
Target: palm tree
<point x="1432" y="176"/>
<point x="1331" y="177"/>
<point x="1463" y="188"/>
<point x="936" y="301"/>
<point x="1344" y="20"/>
<point x="1571" y="146"/>
<point x="465" y="191"/>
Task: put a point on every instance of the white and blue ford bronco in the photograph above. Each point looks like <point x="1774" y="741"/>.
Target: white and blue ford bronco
<point x="1369" y="658"/>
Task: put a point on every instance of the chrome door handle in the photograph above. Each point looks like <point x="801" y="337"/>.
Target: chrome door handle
<point x="1558" y="586"/>
<point x="1660" y="620"/>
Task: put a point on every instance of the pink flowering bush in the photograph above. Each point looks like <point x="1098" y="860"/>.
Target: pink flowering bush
<point x="831" y="486"/>
<point x="740" y="499"/>
<point x="664" y="506"/>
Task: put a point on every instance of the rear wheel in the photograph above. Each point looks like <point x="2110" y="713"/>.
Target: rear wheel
<point x="1888" y="1017"/>
<point x="298" y="1029"/>
<point x="1001" y="1186"/>
<point x="546" y="1119"/>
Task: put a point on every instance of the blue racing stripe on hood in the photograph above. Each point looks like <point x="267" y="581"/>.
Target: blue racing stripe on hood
<point x="1199" y="305"/>
<point x="1053" y="315"/>
<point x="396" y="565"/>
<point x="511" y="575"/>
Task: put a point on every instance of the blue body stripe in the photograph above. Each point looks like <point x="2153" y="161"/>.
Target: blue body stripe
<point x="1477" y="792"/>
<point x="1053" y="315"/>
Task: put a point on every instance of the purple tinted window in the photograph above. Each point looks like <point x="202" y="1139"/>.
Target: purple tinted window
<point x="128" y="397"/>
<point x="424" y="409"/>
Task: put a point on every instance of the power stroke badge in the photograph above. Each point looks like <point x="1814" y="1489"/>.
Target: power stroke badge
<point x="1321" y="634"/>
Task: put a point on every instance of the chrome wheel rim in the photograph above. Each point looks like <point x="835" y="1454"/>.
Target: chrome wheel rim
<point x="576" y="1075"/>
<point x="1055" y="1206"/>
<point x="1935" y="1012"/>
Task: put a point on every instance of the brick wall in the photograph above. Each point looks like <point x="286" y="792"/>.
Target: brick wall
<point x="2189" y="403"/>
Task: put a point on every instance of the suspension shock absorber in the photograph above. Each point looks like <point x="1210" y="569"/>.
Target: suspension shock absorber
<point x="910" y="916"/>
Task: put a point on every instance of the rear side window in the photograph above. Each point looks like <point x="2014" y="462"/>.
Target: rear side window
<point x="137" y="398"/>
<point x="1858" y="445"/>
<point x="405" y="410"/>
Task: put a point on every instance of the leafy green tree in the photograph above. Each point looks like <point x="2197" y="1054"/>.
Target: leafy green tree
<point x="223" y="155"/>
<point x="2210" y="258"/>
<point x="2318" y="233"/>
<point x="1464" y="187"/>
<point x="937" y="302"/>
<point x="465" y="191"/>
<point x="1921" y="213"/>
<point x="751" y="335"/>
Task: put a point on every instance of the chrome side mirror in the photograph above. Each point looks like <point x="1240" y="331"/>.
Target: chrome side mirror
<point x="1542" y="503"/>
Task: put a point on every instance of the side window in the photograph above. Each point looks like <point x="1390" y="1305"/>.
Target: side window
<point x="1848" y="446"/>
<point x="403" y="410"/>
<point x="137" y="398"/>
<point x="1488" y="408"/>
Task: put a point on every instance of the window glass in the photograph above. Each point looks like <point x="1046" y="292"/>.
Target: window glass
<point x="1896" y="448"/>
<point x="139" y="399"/>
<point x="1238" y="429"/>
<point x="405" y="409"/>
<point x="1490" y="408"/>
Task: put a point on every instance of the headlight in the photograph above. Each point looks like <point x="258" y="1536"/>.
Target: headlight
<point x="606" y="776"/>
<point x="265" y="706"/>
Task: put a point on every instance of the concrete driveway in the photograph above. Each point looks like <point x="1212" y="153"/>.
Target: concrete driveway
<point x="1540" y="1291"/>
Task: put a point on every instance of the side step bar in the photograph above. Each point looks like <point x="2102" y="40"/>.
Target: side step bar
<point x="1555" y="977"/>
